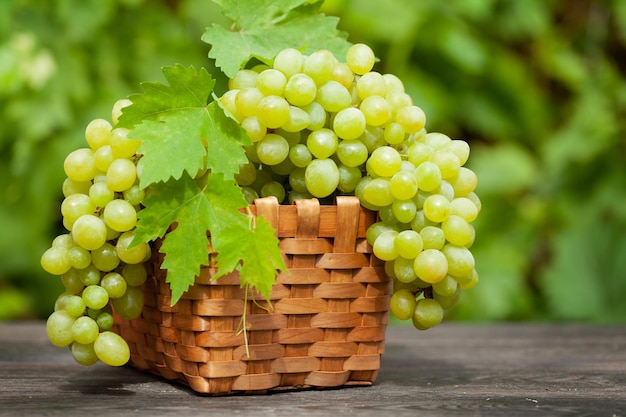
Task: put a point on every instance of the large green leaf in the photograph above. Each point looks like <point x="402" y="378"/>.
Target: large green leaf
<point x="262" y="28"/>
<point x="180" y="132"/>
<point x="194" y="211"/>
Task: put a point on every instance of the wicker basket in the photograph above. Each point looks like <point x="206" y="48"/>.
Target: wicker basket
<point x="326" y="329"/>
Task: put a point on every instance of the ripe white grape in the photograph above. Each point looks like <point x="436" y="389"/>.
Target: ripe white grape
<point x="56" y="260"/>
<point x="111" y="349"/>
<point x="289" y="61"/>
<point x="349" y="123"/>
<point x="97" y="133"/>
<point x="59" y="328"/>
<point x="360" y="58"/>
<point x="89" y="231"/>
<point x="120" y="215"/>
<point x="121" y="174"/>
<point x="80" y="165"/>
<point x="321" y="177"/>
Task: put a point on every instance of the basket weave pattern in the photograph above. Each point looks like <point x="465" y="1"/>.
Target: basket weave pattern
<point x="325" y="327"/>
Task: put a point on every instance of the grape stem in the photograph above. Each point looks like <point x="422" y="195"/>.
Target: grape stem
<point x="243" y="327"/>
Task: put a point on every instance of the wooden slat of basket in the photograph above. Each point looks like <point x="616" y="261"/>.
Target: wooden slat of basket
<point x="328" y="221"/>
<point x="308" y="224"/>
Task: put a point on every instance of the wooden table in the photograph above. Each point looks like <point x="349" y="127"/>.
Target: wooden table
<point x="453" y="370"/>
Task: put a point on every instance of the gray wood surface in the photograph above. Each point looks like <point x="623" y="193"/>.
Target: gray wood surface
<point x="453" y="370"/>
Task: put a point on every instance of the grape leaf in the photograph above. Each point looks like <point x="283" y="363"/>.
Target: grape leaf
<point x="254" y="250"/>
<point x="180" y="132"/>
<point x="194" y="211"/>
<point x="263" y="28"/>
<point x="187" y="88"/>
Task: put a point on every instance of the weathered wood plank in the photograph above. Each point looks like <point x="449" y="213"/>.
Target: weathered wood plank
<point x="497" y="370"/>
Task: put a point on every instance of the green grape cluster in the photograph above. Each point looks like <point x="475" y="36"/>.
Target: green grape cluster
<point x="99" y="267"/>
<point x="320" y="127"/>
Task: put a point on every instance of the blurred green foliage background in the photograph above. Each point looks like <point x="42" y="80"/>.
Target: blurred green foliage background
<point x="537" y="87"/>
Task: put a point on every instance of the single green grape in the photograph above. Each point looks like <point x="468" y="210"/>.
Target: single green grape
<point x="457" y="230"/>
<point x="102" y="158"/>
<point x="70" y="187"/>
<point x="446" y="287"/>
<point x="333" y="96"/>
<point x="349" y="177"/>
<point x="385" y="161"/>
<point x="245" y="78"/>
<point x="403" y="269"/>
<point x="123" y="146"/>
<point x="319" y="66"/>
<point x="89" y="231"/>
<point x="371" y="84"/>
<point x="94" y="296"/>
<point x="300" y="156"/>
<point x="412" y="118"/>
<point x="360" y="58"/>
<point x="89" y="275"/>
<point x="59" y="328"/>
<point x="384" y="246"/>
<point x="464" y="182"/>
<point x="459" y="259"/>
<point x="85" y="330"/>
<point x="465" y="208"/>
<point x="377" y="112"/>
<point x="448" y="301"/>
<point x="272" y="149"/>
<point x="121" y="174"/>
<point x="436" y="208"/>
<point x="71" y="281"/>
<point x="404" y="210"/>
<point x="247" y="101"/>
<point x="352" y="153"/>
<point x="289" y="61"/>
<point x="377" y="192"/>
<point x="300" y="90"/>
<point x="129" y="305"/>
<point x="134" y="195"/>
<point x="97" y="133"/>
<point x="431" y="265"/>
<point x="76" y="205"/>
<point x="84" y="354"/>
<point x="118" y="107"/>
<point x="273" y="111"/>
<point x="120" y="215"/>
<point x="254" y="128"/>
<point x="409" y="243"/>
<point x="298" y="120"/>
<point x="433" y="237"/>
<point x="271" y="82"/>
<point x="105" y="321"/>
<point x="428" y="313"/>
<point x="56" y="260"/>
<point x="447" y="162"/>
<point x="134" y="274"/>
<point x="402" y="304"/>
<point x="129" y="253"/>
<point x="274" y="188"/>
<point x="349" y="123"/>
<point x="114" y="284"/>
<point x="394" y="133"/>
<point x="111" y="349"/>
<point x="100" y="194"/>
<point x="322" y="143"/>
<point x="321" y="177"/>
